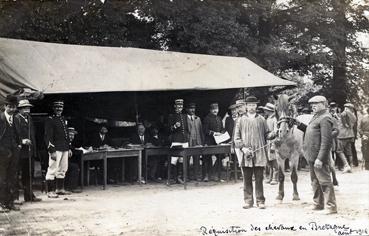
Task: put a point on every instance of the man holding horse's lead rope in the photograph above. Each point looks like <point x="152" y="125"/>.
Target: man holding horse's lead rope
<point x="250" y="135"/>
<point x="317" y="147"/>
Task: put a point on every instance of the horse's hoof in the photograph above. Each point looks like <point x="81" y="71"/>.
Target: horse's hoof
<point x="295" y="198"/>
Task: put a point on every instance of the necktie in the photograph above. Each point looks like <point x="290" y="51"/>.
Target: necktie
<point x="11" y="120"/>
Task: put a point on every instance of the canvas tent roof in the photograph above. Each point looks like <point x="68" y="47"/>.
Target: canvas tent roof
<point x="62" y="68"/>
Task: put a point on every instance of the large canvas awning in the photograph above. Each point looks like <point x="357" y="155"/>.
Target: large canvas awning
<point x="61" y="68"/>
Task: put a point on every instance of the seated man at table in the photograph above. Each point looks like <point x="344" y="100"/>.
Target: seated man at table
<point x="141" y="137"/>
<point x="72" y="174"/>
<point x="100" y="139"/>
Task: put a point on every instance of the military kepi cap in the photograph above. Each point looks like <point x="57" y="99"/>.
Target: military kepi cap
<point x="318" y="99"/>
<point x="214" y="105"/>
<point x="178" y="101"/>
<point x="72" y="130"/>
<point x="191" y="105"/>
<point x="58" y="103"/>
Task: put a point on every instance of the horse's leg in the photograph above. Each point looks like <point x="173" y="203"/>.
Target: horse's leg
<point x="294" y="162"/>
<point x="280" y="162"/>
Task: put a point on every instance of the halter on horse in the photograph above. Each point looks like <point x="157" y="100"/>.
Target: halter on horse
<point x="287" y="147"/>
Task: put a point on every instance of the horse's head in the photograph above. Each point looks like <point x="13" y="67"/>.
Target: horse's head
<point x="283" y="114"/>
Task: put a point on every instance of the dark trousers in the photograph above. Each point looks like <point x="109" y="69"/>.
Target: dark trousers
<point x="9" y="158"/>
<point x="248" y="189"/>
<point x="355" y="161"/>
<point x="322" y="186"/>
<point x="207" y="164"/>
<point x="365" y="151"/>
<point x="72" y="176"/>
<point x="25" y="176"/>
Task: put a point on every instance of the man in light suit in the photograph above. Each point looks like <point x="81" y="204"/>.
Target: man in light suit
<point x="196" y="136"/>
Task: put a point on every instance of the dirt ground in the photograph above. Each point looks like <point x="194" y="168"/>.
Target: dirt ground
<point x="156" y="209"/>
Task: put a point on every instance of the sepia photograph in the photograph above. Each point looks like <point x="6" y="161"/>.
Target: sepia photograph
<point x="184" y="117"/>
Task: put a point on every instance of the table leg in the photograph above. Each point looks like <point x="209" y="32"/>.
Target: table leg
<point x="105" y="170"/>
<point x="82" y="170"/>
<point x="146" y="157"/>
<point x="185" y="163"/>
<point x="123" y="169"/>
<point x="168" y="174"/>
<point x="139" y="167"/>
<point x="88" y="173"/>
<point x="235" y="168"/>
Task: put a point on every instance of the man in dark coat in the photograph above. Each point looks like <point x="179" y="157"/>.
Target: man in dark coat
<point x="57" y="143"/>
<point x="178" y="136"/>
<point x="101" y="139"/>
<point x="73" y="172"/>
<point x="317" y="146"/>
<point x="195" y="136"/>
<point x="213" y="126"/>
<point x="28" y="149"/>
<point x="9" y="155"/>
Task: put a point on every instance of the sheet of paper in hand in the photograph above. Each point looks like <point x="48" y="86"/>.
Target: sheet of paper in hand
<point x="222" y="138"/>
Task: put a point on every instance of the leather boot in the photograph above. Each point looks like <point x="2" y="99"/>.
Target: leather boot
<point x="275" y="177"/>
<point x="60" y="187"/>
<point x="51" y="189"/>
<point x="346" y="167"/>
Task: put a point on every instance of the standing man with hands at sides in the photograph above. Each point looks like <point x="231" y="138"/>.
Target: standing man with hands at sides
<point x="9" y="155"/>
<point x="178" y="129"/>
<point x="57" y="143"/>
<point x="28" y="149"/>
<point x="317" y="146"/>
<point x="250" y="135"/>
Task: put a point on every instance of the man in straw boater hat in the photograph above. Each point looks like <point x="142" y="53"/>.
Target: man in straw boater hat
<point x="28" y="149"/>
<point x="250" y="135"/>
<point x="269" y="110"/>
<point x="316" y="146"/>
<point x="178" y="128"/>
<point x="9" y="155"/>
<point x="57" y="142"/>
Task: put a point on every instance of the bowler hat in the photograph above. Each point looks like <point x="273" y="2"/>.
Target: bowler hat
<point x="317" y="99"/>
<point x="11" y="100"/>
<point x="251" y="99"/>
<point x="24" y="103"/>
<point x="332" y="104"/>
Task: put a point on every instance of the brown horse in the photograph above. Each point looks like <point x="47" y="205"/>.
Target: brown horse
<point x="287" y="146"/>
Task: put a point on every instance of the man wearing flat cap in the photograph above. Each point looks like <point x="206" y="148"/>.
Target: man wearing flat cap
<point x="178" y="129"/>
<point x="9" y="155"/>
<point x="250" y="135"/>
<point x="213" y="126"/>
<point x="28" y="149"/>
<point x="346" y="137"/>
<point x="57" y="143"/>
<point x="196" y="136"/>
<point x="316" y="146"/>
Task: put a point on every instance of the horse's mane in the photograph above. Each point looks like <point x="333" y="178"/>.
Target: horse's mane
<point x="282" y="105"/>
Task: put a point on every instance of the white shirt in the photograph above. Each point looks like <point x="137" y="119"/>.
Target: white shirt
<point x="102" y="136"/>
<point x="9" y="118"/>
<point x="191" y="117"/>
<point x="142" y="138"/>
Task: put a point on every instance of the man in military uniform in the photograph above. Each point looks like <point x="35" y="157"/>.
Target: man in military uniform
<point x="178" y="129"/>
<point x="57" y="143"/>
<point x="28" y="149"/>
<point x="213" y="126"/>
<point x="9" y="155"/>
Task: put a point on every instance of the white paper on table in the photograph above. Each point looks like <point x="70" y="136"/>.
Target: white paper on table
<point x="84" y="150"/>
<point x="222" y="138"/>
